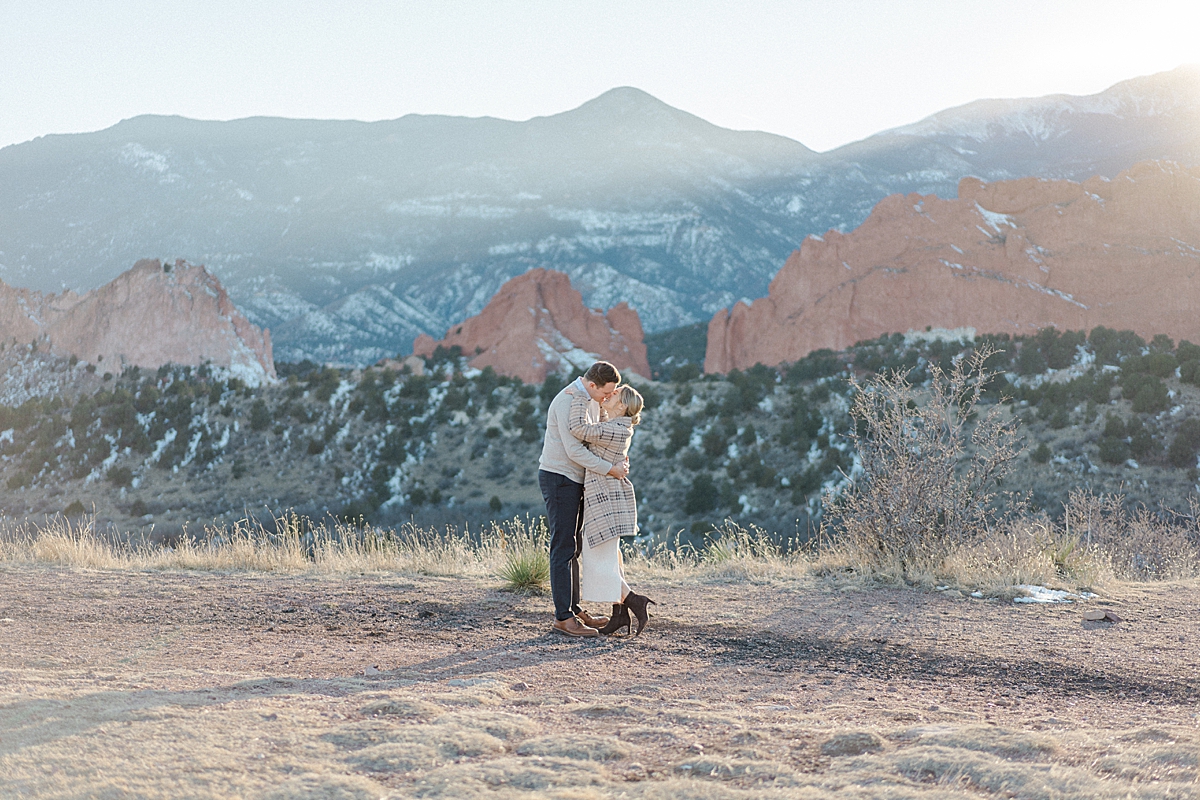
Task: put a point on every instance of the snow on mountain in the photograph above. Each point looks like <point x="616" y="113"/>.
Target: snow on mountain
<point x="349" y="238"/>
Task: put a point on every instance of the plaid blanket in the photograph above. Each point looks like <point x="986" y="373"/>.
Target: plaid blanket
<point x="609" y="505"/>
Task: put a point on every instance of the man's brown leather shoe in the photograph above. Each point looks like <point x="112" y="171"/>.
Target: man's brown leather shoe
<point x="571" y="626"/>
<point x="590" y="621"/>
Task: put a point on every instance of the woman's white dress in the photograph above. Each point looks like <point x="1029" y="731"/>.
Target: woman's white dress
<point x="602" y="572"/>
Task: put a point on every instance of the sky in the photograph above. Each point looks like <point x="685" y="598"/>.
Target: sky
<point x="823" y="73"/>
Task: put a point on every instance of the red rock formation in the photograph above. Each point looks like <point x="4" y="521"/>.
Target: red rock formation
<point x="1011" y="257"/>
<point x="537" y="324"/>
<point x="151" y="315"/>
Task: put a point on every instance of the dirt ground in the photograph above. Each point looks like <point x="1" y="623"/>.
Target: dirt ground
<point x="147" y="684"/>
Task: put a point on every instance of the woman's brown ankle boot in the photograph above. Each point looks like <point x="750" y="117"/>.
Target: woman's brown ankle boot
<point x="619" y="619"/>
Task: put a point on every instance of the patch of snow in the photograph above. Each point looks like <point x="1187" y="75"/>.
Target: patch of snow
<point x="994" y="219"/>
<point x="161" y="445"/>
<point x="195" y="442"/>
<point x="343" y="391"/>
<point x="1040" y="594"/>
<point x="951" y="335"/>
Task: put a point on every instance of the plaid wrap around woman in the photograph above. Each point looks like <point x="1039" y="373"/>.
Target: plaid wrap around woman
<point x="609" y="505"/>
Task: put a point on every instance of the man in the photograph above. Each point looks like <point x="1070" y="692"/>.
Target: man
<point x="562" y="466"/>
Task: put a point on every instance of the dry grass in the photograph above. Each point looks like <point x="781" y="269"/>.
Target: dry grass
<point x="289" y="543"/>
<point x="1097" y="541"/>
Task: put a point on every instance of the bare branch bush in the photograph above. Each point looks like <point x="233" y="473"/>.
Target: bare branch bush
<point x="930" y="470"/>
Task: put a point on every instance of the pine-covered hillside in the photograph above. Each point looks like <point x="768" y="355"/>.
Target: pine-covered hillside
<point x="181" y="447"/>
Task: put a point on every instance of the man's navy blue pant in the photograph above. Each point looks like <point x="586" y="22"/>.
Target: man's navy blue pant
<point x="564" y="515"/>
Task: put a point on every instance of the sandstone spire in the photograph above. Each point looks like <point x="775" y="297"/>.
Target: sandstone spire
<point x="537" y="324"/>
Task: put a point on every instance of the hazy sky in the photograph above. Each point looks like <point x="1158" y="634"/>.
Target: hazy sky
<point x="824" y="73"/>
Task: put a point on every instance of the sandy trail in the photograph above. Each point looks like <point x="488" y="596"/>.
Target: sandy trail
<point x="150" y="684"/>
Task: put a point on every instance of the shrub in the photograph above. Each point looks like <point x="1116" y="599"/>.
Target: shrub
<point x="1141" y="442"/>
<point x="1161" y="365"/>
<point x="1111" y="346"/>
<point x="1113" y="451"/>
<point x="316" y="447"/>
<point x="1114" y="428"/>
<point x="120" y="476"/>
<point x="702" y="497"/>
<point x="693" y="460"/>
<point x="681" y="434"/>
<point x="1151" y="397"/>
<point x="495" y="504"/>
<point x="1183" y="449"/>
<point x="74" y="509"/>
<point x="260" y="417"/>
<point x="714" y="442"/>
<point x="686" y="373"/>
<point x="817" y="364"/>
<point x="913" y="503"/>
<point x="1030" y="360"/>
<point x="1042" y="454"/>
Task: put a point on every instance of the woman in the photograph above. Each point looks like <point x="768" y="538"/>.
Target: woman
<point x="609" y="508"/>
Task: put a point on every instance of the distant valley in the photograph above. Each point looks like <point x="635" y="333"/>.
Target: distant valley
<point x="349" y="239"/>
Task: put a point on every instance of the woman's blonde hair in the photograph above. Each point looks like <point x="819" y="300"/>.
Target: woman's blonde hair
<point x="633" y="402"/>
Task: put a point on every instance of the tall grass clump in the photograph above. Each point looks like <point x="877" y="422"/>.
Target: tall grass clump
<point x="525" y="568"/>
<point x="930" y="468"/>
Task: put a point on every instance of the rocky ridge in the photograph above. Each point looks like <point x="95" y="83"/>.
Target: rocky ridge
<point x="150" y="315"/>
<point x="1008" y="257"/>
<point x="537" y="324"/>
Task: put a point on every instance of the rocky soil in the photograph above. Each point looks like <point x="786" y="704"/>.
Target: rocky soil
<point x="119" y="684"/>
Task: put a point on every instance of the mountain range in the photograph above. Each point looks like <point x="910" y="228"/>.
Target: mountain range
<point x="349" y="239"/>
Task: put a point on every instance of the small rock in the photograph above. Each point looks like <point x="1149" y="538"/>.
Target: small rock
<point x="371" y="671"/>
<point x="571" y="699"/>
<point x="935" y="707"/>
<point x="6" y="620"/>
<point x="299" y="654"/>
<point x="1093" y="615"/>
<point x="699" y="748"/>
<point x="520" y="686"/>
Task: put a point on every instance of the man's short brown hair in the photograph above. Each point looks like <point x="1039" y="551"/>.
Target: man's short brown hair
<point x="602" y="373"/>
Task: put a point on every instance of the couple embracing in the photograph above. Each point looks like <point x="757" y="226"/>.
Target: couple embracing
<point x="590" y="503"/>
